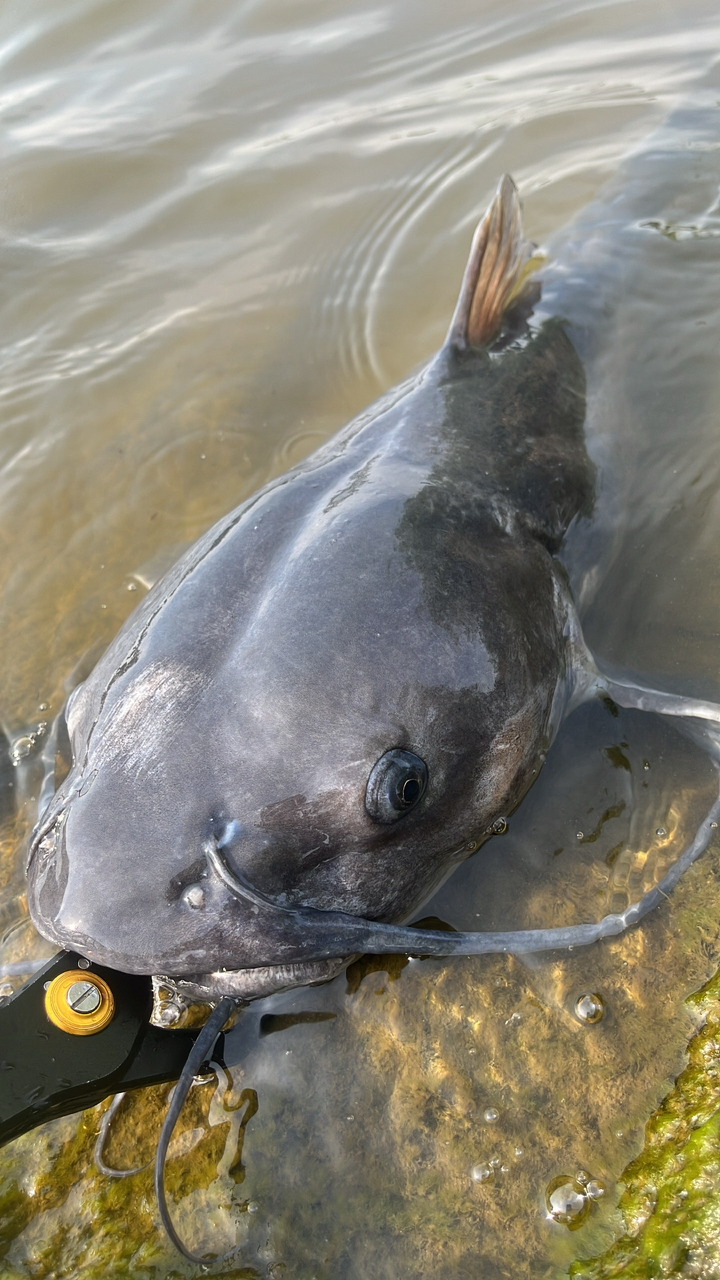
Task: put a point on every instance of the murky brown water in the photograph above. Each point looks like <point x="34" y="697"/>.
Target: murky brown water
<point x="226" y="229"/>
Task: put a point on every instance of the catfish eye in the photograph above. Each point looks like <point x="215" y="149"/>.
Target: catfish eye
<point x="396" y="783"/>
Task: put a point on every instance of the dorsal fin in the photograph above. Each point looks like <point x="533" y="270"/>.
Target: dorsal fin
<point x="496" y="271"/>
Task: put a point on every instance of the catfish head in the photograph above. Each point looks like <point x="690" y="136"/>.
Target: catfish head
<point x="335" y="695"/>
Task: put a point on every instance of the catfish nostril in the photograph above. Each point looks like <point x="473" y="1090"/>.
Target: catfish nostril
<point x="229" y="833"/>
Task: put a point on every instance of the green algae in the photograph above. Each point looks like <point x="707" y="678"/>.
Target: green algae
<point x="671" y="1199"/>
<point x="59" y="1212"/>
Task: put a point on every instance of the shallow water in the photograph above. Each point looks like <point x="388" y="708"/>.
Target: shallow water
<point x="228" y="228"/>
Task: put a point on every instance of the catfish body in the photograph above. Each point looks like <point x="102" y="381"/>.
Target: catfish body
<point x="394" y="598"/>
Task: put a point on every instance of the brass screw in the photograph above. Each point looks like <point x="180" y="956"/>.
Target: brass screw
<point x="79" y="1004"/>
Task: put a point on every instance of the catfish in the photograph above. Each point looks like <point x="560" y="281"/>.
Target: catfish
<point x="343" y="689"/>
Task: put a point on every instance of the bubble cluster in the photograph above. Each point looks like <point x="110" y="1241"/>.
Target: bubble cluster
<point x="499" y="826"/>
<point x="23" y="746"/>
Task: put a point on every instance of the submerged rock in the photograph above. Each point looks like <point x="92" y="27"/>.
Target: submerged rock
<point x="672" y="1189"/>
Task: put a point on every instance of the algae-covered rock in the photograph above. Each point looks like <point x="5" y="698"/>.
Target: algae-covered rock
<point x="671" y="1201"/>
<point x="73" y="1221"/>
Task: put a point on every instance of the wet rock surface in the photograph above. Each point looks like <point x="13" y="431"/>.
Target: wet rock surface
<point x="670" y="1197"/>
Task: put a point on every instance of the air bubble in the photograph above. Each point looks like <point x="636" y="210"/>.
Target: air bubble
<point x="253" y="1206"/>
<point x="499" y="826"/>
<point x="579" y="835"/>
<point x="646" y="764"/>
<point x="567" y="1202"/>
<point x="132" y="586"/>
<point x="595" y="1189"/>
<point x="713" y="826"/>
<point x="480" y="1172"/>
<point x="504" y="1168"/>
<point x="589" y="1008"/>
<point x="661" y="832"/>
<point x="490" y="1115"/>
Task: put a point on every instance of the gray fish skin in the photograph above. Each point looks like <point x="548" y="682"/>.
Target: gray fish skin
<point x="397" y="590"/>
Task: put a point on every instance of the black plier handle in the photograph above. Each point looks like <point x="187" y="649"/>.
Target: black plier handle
<point x="46" y="1072"/>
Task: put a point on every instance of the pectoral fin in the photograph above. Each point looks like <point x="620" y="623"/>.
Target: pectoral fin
<point x="695" y="717"/>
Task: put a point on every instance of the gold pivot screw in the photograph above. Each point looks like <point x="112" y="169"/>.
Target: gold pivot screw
<point x="80" y="1003"/>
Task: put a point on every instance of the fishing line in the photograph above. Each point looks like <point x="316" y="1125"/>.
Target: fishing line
<point x="198" y="1055"/>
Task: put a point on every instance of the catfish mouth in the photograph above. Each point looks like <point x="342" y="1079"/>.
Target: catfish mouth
<point x="267" y="944"/>
<point x="278" y="967"/>
<point x="293" y="945"/>
<point x="173" y="995"/>
<point x="46" y="883"/>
